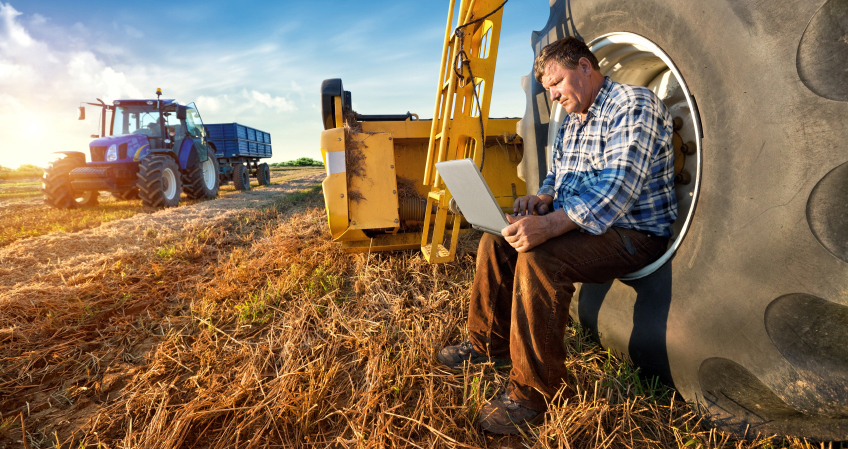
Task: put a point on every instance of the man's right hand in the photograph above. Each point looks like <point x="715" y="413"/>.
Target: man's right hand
<point x="533" y="205"/>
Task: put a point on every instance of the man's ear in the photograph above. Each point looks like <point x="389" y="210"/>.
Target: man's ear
<point x="585" y="66"/>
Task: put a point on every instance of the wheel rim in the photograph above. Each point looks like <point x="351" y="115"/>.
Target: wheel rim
<point x="632" y="59"/>
<point x="209" y="174"/>
<point x="169" y="183"/>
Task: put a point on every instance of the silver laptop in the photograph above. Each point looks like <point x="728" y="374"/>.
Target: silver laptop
<point x="472" y="194"/>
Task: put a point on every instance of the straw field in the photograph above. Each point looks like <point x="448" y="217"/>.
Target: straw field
<point x="238" y="323"/>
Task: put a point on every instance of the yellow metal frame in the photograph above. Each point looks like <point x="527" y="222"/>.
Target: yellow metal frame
<point x="435" y="251"/>
<point x="456" y="130"/>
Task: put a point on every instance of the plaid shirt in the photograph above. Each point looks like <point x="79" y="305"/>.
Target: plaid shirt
<point x="617" y="168"/>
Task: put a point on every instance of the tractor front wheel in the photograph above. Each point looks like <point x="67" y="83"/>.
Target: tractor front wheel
<point x="201" y="180"/>
<point x="56" y="184"/>
<point x="159" y="181"/>
<point x="241" y="177"/>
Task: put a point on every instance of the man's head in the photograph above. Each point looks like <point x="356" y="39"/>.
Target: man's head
<point x="570" y="72"/>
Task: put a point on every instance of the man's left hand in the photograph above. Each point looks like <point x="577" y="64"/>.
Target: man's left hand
<point x="526" y="232"/>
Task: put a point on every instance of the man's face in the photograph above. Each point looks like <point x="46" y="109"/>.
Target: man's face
<point x="570" y="88"/>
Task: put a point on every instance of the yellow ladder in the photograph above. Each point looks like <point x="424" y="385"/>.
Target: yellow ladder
<point x="462" y="110"/>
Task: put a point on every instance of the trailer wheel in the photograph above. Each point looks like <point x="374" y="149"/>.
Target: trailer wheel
<point x="760" y="255"/>
<point x="263" y="174"/>
<point x="201" y="180"/>
<point x="241" y="177"/>
<point x="56" y="184"/>
<point x="126" y="195"/>
<point x="159" y="181"/>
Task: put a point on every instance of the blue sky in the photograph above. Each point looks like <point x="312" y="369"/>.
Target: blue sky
<point x="259" y="63"/>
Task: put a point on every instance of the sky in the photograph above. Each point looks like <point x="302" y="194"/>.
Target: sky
<point x="258" y="63"/>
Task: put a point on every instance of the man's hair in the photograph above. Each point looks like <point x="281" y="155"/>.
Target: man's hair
<point x="565" y="52"/>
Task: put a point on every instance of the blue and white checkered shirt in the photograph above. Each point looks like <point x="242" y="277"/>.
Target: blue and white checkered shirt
<point x="617" y="168"/>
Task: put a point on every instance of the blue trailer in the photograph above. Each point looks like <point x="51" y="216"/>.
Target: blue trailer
<point x="238" y="149"/>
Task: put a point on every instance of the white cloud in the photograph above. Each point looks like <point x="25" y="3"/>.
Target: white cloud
<point x="47" y="67"/>
<point x="38" y="19"/>
<point x="278" y="103"/>
<point x="11" y="30"/>
<point x="41" y="88"/>
<point x="209" y="104"/>
<point x="134" y="32"/>
<point x="244" y="103"/>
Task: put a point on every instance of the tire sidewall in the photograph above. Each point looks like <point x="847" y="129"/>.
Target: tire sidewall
<point x="151" y="184"/>
<point x="265" y="174"/>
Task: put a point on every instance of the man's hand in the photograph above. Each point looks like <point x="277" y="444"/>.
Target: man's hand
<point x="533" y="205"/>
<point x="526" y="232"/>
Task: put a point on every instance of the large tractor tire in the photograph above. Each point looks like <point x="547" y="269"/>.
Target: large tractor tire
<point x="747" y="313"/>
<point x="241" y="177"/>
<point x="159" y="181"/>
<point x="126" y="195"/>
<point x="263" y="174"/>
<point x="201" y="180"/>
<point x="56" y="183"/>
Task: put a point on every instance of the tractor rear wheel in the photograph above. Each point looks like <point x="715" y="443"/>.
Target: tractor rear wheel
<point x="159" y="181"/>
<point x="241" y="177"/>
<point x="748" y="318"/>
<point x="201" y="180"/>
<point x="56" y="184"/>
<point x="263" y="174"/>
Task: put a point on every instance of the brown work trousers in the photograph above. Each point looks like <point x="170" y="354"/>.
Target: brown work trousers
<point x="520" y="301"/>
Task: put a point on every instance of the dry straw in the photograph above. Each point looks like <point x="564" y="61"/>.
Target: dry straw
<point x="254" y="330"/>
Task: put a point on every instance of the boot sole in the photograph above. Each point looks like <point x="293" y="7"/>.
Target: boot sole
<point x="514" y="428"/>
<point x="458" y="368"/>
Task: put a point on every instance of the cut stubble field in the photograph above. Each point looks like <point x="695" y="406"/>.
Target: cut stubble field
<point x="237" y="322"/>
<point x="24" y="214"/>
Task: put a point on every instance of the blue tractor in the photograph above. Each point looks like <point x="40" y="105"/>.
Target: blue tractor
<point x="150" y="149"/>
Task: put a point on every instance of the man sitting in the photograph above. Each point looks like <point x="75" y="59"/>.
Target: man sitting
<point x="605" y="209"/>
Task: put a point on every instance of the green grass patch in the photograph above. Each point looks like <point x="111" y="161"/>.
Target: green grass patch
<point x="166" y="252"/>
<point x="19" y="194"/>
<point x="36" y="184"/>
<point x="253" y="311"/>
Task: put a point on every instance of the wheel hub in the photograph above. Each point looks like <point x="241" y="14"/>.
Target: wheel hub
<point x="169" y="183"/>
<point x="209" y="173"/>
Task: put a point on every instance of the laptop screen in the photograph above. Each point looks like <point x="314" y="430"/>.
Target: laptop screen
<point x="472" y="194"/>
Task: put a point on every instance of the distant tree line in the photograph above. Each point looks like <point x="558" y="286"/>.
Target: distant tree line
<point x="301" y="162"/>
<point x="24" y="171"/>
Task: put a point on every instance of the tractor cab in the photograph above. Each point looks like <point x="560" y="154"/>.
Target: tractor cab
<point x="139" y="127"/>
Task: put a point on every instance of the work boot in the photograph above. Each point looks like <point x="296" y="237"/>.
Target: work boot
<point x="455" y="356"/>
<point x="504" y="416"/>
